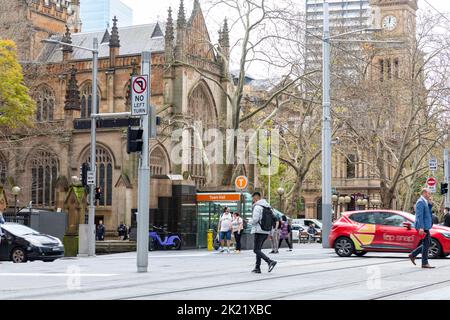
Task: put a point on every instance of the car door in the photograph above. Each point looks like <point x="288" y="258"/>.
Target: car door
<point x="5" y="246"/>
<point x="364" y="232"/>
<point x="395" y="235"/>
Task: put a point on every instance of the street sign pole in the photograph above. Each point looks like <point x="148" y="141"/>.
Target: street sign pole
<point x="144" y="181"/>
<point x="446" y="177"/>
<point x="91" y="215"/>
<point x="326" y="131"/>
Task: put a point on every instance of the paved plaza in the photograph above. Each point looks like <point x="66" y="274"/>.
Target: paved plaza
<point x="309" y="272"/>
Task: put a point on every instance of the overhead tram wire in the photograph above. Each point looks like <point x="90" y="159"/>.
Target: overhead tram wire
<point x="440" y="13"/>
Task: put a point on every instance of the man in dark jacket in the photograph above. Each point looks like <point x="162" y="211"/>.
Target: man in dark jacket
<point x="100" y="231"/>
<point x="423" y="224"/>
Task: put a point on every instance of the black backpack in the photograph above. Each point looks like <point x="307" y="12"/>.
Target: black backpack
<point x="268" y="219"/>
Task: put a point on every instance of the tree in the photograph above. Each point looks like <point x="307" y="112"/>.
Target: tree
<point x="16" y="106"/>
<point x="261" y="33"/>
<point x="401" y="114"/>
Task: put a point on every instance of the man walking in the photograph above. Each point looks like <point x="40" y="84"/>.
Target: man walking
<point x="261" y="226"/>
<point x="423" y="224"/>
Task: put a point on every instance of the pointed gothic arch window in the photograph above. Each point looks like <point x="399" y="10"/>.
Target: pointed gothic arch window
<point x="45" y="103"/>
<point x="104" y="174"/>
<point x="158" y="162"/>
<point x="86" y="100"/>
<point x="202" y="110"/>
<point x="43" y="165"/>
<point x="3" y="169"/>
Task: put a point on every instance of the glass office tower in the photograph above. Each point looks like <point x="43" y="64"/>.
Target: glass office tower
<point x="97" y="15"/>
<point x="345" y="15"/>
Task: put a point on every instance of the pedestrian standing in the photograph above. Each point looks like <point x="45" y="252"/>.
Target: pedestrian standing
<point x="312" y="232"/>
<point x="100" y="231"/>
<point x="2" y="208"/>
<point x="447" y="217"/>
<point x="237" y="225"/>
<point x="285" y="231"/>
<point x="121" y="230"/>
<point x="224" y="230"/>
<point x="423" y="224"/>
<point x="261" y="213"/>
<point x="275" y="236"/>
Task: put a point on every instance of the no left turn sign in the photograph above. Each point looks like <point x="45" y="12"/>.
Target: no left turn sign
<point x="139" y="96"/>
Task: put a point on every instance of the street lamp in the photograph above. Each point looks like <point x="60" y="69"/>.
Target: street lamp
<point x="280" y="192"/>
<point x="15" y="191"/>
<point x="326" y="124"/>
<point x="91" y="220"/>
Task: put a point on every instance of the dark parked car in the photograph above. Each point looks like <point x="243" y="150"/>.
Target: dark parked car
<point x="21" y="244"/>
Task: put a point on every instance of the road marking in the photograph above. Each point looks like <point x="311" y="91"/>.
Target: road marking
<point x="58" y="274"/>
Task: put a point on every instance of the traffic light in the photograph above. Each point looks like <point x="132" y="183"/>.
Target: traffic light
<point x="98" y="193"/>
<point x="134" y="140"/>
<point x="84" y="173"/>
<point x="444" y="188"/>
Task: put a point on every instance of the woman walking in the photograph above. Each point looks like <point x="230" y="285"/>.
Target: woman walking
<point x="237" y="226"/>
<point x="285" y="231"/>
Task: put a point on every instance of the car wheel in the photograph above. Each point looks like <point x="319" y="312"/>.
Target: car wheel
<point x="435" y="249"/>
<point x="344" y="247"/>
<point x="176" y="244"/>
<point x="360" y="253"/>
<point x="18" y="255"/>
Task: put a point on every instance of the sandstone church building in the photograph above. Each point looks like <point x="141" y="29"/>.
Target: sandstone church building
<point x="42" y="160"/>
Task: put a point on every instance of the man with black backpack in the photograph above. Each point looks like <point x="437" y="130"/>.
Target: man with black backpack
<point x="262" y="221"/>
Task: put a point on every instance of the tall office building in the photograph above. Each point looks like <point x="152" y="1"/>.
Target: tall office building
<point x="97" y="15"/>
<point x="345" y="15"/>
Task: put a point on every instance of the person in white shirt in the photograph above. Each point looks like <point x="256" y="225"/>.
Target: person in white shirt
<point x="237" y="225"/>
<point x="225" y="225"/>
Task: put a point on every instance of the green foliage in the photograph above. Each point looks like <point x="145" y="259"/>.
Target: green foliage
<point x="16" y="106"/>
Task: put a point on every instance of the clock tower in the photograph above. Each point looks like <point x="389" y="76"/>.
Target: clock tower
<point x="397" y="21"/>
<point x="397" y="18"/>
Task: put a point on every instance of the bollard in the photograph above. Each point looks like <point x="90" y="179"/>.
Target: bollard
<point x="210" y="240"/>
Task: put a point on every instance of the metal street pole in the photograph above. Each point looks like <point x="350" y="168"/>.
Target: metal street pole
<point x="94" y="111"/>
<point x="144" y="179"/>
<point x="446" y="177"/>
<point x="326" y="131"/>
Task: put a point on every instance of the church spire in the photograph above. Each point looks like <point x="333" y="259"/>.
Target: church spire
<point x="67" y="38"/>
<point x="114" y="41"/>
<point x="72" y="101"/>
<point x="170" y="36"/>
<point x="181" y="22"/>
<point x="225" y="35"/>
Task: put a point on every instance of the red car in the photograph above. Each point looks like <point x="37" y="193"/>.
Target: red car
<point x="359" y="232"/>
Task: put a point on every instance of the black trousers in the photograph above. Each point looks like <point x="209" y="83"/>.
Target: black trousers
<point x="237" y="237"/>
<point x="287" y="241"/>
<point x="259" y="242"/>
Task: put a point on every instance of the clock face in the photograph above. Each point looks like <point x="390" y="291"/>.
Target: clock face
<point x="389" y="23"/>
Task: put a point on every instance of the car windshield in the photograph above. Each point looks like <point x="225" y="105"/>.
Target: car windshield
<point x="18" y="229"/>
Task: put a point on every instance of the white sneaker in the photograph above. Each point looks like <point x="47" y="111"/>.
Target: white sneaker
<point x="228" y="250"/>
<point x="221" y="249"/>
